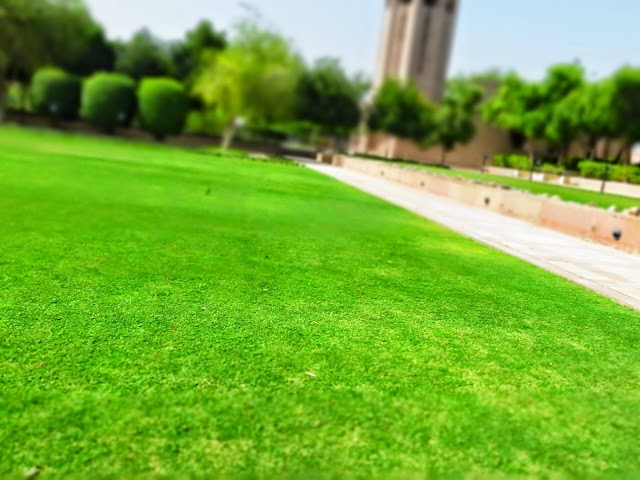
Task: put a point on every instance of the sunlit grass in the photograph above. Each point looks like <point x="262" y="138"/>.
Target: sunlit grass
<point x="164" y="311"/>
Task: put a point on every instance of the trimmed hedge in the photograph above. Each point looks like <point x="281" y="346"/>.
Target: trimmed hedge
<point x="55" y="94"/>
<point x="163" y="106"/>
<point x="617" y="173"/>
<point x="551" y="169"/>
<point x="591" y="169"/>
<point x="108" y="101"/>
<point x="520" y="162"/>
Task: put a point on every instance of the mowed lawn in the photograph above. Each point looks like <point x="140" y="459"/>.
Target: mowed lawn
<point x="168" y="312"/>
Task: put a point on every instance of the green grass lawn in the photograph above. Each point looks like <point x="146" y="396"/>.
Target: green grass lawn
<point x="164" y="311"/>
<point x="569" y="194"/>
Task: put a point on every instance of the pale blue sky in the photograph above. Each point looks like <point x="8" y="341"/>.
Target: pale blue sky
<point x="525" y="35"/>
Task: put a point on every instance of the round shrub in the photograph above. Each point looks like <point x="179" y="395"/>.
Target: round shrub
<point x="55" y="94"/>
<point x="108" y="101"/>
<point x="520" y="162"/>
<point x="590" y="169"/>
<point x="163" y="106"/>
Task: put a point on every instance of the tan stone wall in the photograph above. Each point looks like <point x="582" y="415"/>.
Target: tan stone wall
<point x="590" y="223"/>
<point x="488" y="141"/>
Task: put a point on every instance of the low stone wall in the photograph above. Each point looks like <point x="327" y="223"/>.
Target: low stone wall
<point x="616" y="188"/>
<point x="583" y="221"/>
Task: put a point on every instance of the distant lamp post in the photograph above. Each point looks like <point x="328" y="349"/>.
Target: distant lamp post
<point x="607" y="172"/>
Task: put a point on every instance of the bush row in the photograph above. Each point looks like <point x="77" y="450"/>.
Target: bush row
<point x="618" y="173"/>
<point x="587" y="168"/>
<point x="520" y="162"/>
<point x="111" y="100"/>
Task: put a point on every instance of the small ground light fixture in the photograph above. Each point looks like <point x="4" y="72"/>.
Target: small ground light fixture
<point x="617" y="234"/>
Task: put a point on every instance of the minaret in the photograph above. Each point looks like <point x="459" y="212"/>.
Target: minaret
<point x="416" y="43"/>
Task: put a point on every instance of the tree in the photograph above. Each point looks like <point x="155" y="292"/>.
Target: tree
<point x="455" y="117"/>
<point x="625" y="106"/>
<point x="144" y="56"/>
<point x="527" y="108"/>
<point x="38" y="32"/>
<point x="587" y="112"/>
<point x="253" y="79"/>
<point x="548" y="118"/>
<point x="564" y="124"/>
<point x="402" y="110"/>
<point x="560" y="81"/>
<point x="97" y="54"/>
<point x="188" y="53"/>
<point x="594" y="114"/>
<point x="507" y="107"/>
<point x="328" y="98"/>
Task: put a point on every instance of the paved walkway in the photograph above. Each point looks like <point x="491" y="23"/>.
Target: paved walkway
<point x="606" y="270"/>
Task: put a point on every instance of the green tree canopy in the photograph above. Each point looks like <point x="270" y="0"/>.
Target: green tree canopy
<point x="34" y="33"/>
<point x="586" y="112"/>
<point x="254" y="78"/>
<point x="546" y="98"/>
<point x="564" y="124"/>
<point x="328" y="98"/>
<point x="561" y="80"/>
<point x="188" y="52"/>
<point x="528" y="108"/>
<point x="507" y="107"/>
<point x="625" y="105"/>
<point x="456" y="116"/>
<point x="594" y="114"/>
<point x="402" y="110"/>
<point x="97" y="54"/>
<point x="144" y="55"/>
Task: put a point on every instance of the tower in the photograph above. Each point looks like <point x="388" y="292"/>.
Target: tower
<point x="417" y="40"/>
<point x="416" y="43"/>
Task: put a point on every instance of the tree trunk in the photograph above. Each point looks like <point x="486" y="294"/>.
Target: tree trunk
<point x="443" y="160"/>
<point x="607" y="148"/>
<point x="25" y="94"/>
<point x="563" y="153"/>
<point x="529" y="150"/>
<point x="3" y="96"/>
<point x="623" y="148"/>
<point x="592" y="143"/>
<point x="228" y="135"/>
<point x="339" y="143"/>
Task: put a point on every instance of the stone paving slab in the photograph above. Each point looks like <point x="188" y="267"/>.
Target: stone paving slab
<point x="608" y="271"/>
